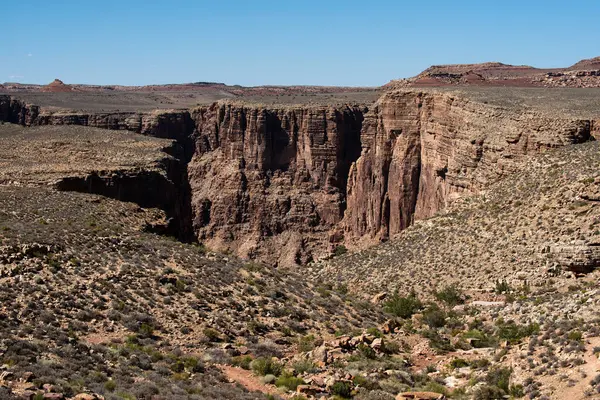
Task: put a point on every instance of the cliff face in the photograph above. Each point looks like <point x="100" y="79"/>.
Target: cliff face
<point x="176" y="125"/>
<point x="420" y="150"/>
<point x="286" y="185"/>
<point x="271" y="183"/>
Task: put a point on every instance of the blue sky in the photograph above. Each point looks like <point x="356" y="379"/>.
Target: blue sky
<point x="258" y="42"/>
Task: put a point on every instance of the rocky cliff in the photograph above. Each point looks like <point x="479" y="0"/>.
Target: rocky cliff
<point x="420" y="150"/>
<point x="288" y="184"/>
<point x="271" y="183"/>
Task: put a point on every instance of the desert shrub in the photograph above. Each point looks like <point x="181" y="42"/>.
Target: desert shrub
<point x="516" y="391"/>
<point x="342" y="389"/>
<point x="488" y="392"/>
<point x="288" y="381"/>
<point x="340" y="250"/>
<point x="212" y="334"/>
<point x="266" y="366"/>
<point x="366" y="351"/>
<point x="365" y="382"/>
<point x="110" y="385"/>
<point x="434" y="316"/>
<point x="499" y="377"/>
<point x="390" y="347"/>
<point x="502" y="287"/>
<point x="458" y="363"/>
<point x="575" y="336"/>
<point x="436" y="387"/>
<point x="403" y="307"/>
<point x="192" y="364"/>
<point x="242" y="362"/>
<point x="145" y="331"/>
<point x="479" y="339"/>
<point x="306" y="343"/>
<point x="375" y="332"/>
<point x="364" y="394"/>
<point x="513" y="333"/>
<point x="304" y="366"/>
<point x="451" y="295"/>
<point x="438" y="342"/>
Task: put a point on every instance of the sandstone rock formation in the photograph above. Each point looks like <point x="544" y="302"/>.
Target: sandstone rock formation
<point x="57" y="86"/>
<point x="420" y="150"/>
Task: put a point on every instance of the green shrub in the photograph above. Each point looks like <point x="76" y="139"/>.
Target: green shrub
<point x="403" y="307"/>
<point x="502" y="287"/>
<point x="366" y="351"/>
<point x="340" y="250"/>
<point x="516" y="391"/>
<point x="481" y="339"/>
<point x="288" y="381"/>
<point x="242" y="362"/>
<point x="458" y="363"/>
<point x="266" y="366"/>
<point x="434" y="316"/>
<point x="110" y="385"/>
<point x="390" y="347"/>
<point x="212" y="334"/>
<point x="436" y="388"/>
<point x="364" y="382"/>
<point x="488" y="392"/>
<point x="375" y="332"/>
<point x="304" y="366"/>
<point x="342" y="389"/>
<point x="451" y="295"/>
<point x="192" y="364"/>
<point x="575" y="336"/>
<point x="438" y="342"/>
<point x="499" y="377"/>
<point x="146" y="331"/>
<point x="306" y="343"/>
<point x="268" y="379"/>
<point x="513" y="333"/>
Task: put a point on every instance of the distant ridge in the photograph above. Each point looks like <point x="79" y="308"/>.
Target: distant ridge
<point x="585" y="73"/>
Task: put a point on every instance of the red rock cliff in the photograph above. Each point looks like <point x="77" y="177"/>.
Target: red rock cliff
<point x="419" y="150"/>
<point x="271" y="183"/>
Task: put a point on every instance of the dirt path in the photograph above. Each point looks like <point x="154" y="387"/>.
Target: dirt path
<point x="247" y="380"/>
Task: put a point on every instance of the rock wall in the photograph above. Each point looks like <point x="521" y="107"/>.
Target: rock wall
<point x="421" y="150"/>
<point x="287" y="185"/>
<point x="271" y="183"/>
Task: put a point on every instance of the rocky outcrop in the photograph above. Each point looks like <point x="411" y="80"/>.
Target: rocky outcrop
<point x="167" y="124"/>
<point x="166" y="189"/>
<point x="421" y="150"/>
<point x="57" y="86"/>
<point x="579" y="257"/>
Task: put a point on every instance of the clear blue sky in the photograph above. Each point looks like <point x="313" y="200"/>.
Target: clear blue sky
<point x="255" y="42"/>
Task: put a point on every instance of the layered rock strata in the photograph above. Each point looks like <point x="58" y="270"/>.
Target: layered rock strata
<point x="287" y="185"/>
<point x="420" y="150"/>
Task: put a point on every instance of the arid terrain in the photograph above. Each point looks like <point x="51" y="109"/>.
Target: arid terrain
<point x="437" y="237"/>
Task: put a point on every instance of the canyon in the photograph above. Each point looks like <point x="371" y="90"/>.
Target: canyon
<point x="203" y="241"/>
<point x="289" y="184"/>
